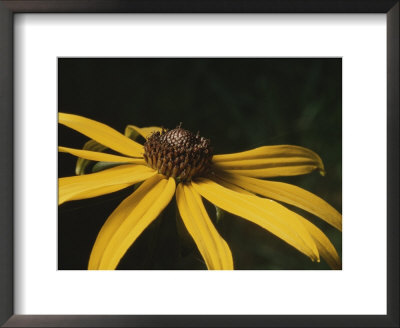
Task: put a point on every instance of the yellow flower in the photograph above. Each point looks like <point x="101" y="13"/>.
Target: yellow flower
<point x="179" y="163"/>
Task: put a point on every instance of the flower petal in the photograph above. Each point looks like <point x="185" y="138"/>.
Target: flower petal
<point x="102" y="133"/>
<point x="270" y="161"/>
<point x="132" y="131"/>
<point x="325" y="247"/>
<point x="212" y="246"/>
<point x="263" y="163"/>
<point x="129" y="220"/>
<point x="104" y="182"/>
<point x="266" y="213"/>
<point x="100" y="157"/>
<point x="82" y="163"/>
<point x="95" y="192"/>
<point x="289" y="194"/>
<point x="270" y="172"/>
<point x="115" y="220"/>
<point x="230" y="185"/>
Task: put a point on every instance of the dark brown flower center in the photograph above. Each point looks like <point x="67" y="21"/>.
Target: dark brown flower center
<point x="178" y="153"/>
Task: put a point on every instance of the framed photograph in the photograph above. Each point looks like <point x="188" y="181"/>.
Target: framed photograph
<point x="190" y="164"/>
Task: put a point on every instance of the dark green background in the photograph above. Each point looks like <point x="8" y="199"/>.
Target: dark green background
<point x="239" y="103"/>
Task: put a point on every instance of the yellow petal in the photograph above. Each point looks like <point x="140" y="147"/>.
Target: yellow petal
<point x="100" y="157"/>
<point x="104" y="182"/>
<point x="102" y="133"/>
<point x="129" y="220"/>
<point x="82" y="163"/>
<point x="116" y="218"/>
<point x="270" y="161"/>
<point x="325" y="247"/>
<point x="270" y="172"/>
<point x="213" y="248"/>
<point x="285" y="151"/>
<point x="266" y="213"/>
<point x="289" y="194"/>
<point x="230" y="186"/>
<point x="250" y="164"/>
<point x="100" y="191"/>
<point x="132" y="131"/>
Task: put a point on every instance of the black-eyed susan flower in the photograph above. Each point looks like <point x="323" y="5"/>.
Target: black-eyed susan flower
<point x="178" y="162"/>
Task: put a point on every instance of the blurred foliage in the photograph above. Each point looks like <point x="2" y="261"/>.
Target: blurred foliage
<point x="239" y="103"/>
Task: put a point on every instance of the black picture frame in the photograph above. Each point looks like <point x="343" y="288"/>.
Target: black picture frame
<point x="10" y="7"/>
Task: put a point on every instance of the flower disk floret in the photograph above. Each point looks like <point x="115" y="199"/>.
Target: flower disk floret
<point x="178" y="153"/>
